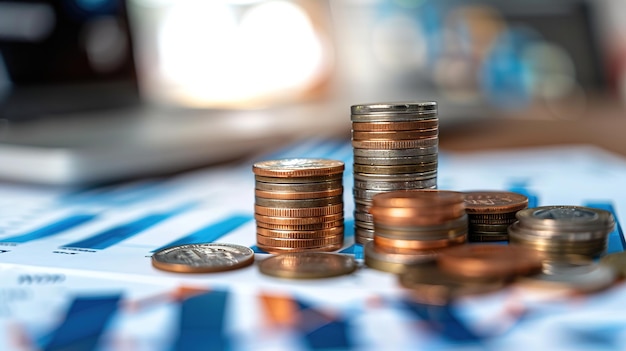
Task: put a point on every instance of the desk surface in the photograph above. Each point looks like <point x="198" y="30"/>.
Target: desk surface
<point x="75" y="267"/>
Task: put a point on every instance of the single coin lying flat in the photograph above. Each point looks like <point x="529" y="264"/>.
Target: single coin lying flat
<point x="308" y="265"/>
<point x="203" y="258"/>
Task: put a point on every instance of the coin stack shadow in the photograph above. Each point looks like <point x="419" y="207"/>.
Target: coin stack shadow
<point x="395" y="148"/>
<point x="299" y="205"/>
<point x="410" y="226"/>
<point x="563" y="231"/>
<point x="490" y="213"/>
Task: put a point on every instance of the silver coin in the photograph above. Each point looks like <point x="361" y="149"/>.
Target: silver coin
<point x="556" y="234"/>
<point x="366" y="194"/>
<point x="394" y="107"/>
<point x="396" y="169"/>
<point x="382" y="153"/>
<point x="576" y="276"/>
<point x="404" y="177"/>
<point x="202" y="258"/>
<point x="574" y="218"/>
<point x="401" y="185"/>
<point x="395" y="161"/>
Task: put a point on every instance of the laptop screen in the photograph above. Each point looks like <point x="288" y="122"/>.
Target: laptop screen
<point x="59" y="56"/>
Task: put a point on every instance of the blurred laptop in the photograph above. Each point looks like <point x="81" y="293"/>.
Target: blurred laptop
<point x="74" y="111"/>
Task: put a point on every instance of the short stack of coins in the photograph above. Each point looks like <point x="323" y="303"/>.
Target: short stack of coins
<point x="562" y="231"/>
<point x="490" y="213"/>
<point x="299" y="205"/>
<point x="411" y="225"/>
<point x="395" y="148"/>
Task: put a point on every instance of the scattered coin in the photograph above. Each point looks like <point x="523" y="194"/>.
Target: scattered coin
<point x="203" y="258"/>
<point x="308" y="265"/>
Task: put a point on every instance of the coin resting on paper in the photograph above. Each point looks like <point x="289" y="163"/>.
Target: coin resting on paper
<point x="435" y="241"/>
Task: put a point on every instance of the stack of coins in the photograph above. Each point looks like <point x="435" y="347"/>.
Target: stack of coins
<point x="395" y="148"/>
<point x="559" y="231"/>
<point x="490" y="213"/>
<point x="299" y="205"/>
<point x="409" y="224"/>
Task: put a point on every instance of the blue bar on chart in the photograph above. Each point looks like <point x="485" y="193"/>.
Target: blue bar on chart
<point x="323" y="332"/>
<point x="212" y="232"/>
<point x="83" y="325"/>
<point x="615" y="242"/>
<point x="117" y="234"/>
<point x="51" y="229"/>
<point x="201" y="324"/>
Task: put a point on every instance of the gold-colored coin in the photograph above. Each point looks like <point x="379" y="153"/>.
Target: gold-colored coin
<point x="301" y="203"/>
<point x="300" y="187"/>
<point x="298" y="167"/>
<point x="396" y="126"/>
<point x="298" y="195"/>
<point x="396" y="135"/>
<point x="298" y="180"/>
<point x="418" y="245"/>
<point x="301" y="227"/>
<point x="299" y="212"/>
<point x="395" y="144"/>
<point x="299" y="220"/>
<point x="308" y="265"/>
<point x="300" y="234"/>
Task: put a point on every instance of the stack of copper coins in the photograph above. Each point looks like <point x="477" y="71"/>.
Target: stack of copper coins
<point x="395" y="148"/>
<point x="560" y="231"/>
<point x="412" y="224"/>
<point x="490" y="213"/>
<point x="299" y="205"/>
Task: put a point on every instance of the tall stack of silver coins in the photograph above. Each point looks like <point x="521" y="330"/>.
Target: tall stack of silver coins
<point x="395" y="148"/>
<point x="560" y="231"/>
<point x="299" y="205"/>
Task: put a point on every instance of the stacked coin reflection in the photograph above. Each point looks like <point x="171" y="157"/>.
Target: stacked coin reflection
<point x="490" y="213"/>
<point x="563" y="230"/>
<point x="395" y="148"/>
<point x="299" y="205"/>
<point x="410" y="225"/>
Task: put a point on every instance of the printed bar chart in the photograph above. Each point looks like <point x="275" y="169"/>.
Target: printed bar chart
<point x="51" y="229"/>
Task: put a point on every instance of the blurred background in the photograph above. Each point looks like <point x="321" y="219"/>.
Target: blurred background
<point x="559" y="59"/>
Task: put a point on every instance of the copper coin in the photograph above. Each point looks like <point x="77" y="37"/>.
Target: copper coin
<point x="308" y="265"/>
<point x="388" y="126"/>
<point x="298" y="167"/>
<point x="297" y="195"/>
<point x="430" y="284"/>
<point x="485" y="238"/>
<point x="299" y="212"/>
<point x="418" y="198"/>
<point x="299" y="234"/>
<point x="299" y="220"/>
<point x="396" y="144"/>
<point x="280" y="250"/>
<point x="203" y="258"/>
<point x="300" y="227"/>
<point x="409" y="245"/>
<point x="299" y="243"/>
<point x="495" y="261"/>
<point x="494" y="202"/>
<point x="396" y="135"/>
